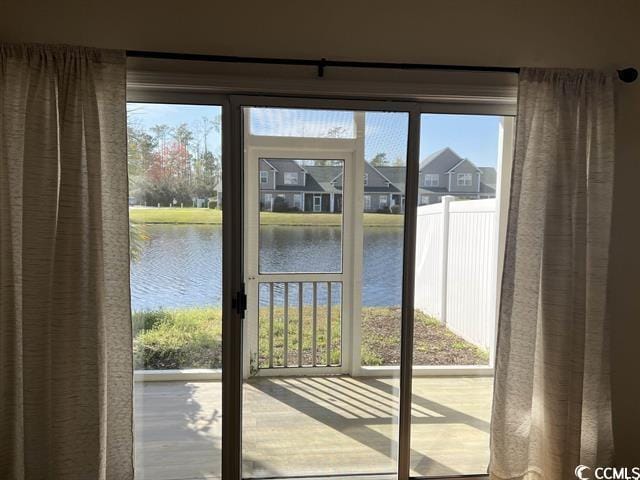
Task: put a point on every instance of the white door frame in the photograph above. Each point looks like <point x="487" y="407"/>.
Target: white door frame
<point x="351" y="152"/>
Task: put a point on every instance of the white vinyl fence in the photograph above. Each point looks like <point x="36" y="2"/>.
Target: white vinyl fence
<point x="456" y="267"/>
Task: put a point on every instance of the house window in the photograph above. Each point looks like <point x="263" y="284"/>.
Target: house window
<point x="366" y="179"/>
<point x="464" y="180"/>
<point x="431" y="180"/>
<point x="264" y="176"/>
<point x="367" y="202"/>
<point x="424" y="199"/>
<point x="297" y="201"/>
<point x="290" y="178"/>
<point x="383" y="201"/>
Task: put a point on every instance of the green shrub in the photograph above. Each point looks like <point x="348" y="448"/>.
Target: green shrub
<point x="184" y="338"/>
<point x="146" y="320"/>
<point x="213" y="204"/>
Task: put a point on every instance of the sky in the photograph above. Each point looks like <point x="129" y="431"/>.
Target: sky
<point x="471" y="136"/>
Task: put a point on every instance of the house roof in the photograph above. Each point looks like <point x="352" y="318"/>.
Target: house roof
<point x="489" y="176"/>
<point x="396" y="175"/>
<point x="441" y="161"/>
<point x="265" y="162"/>
<point x="282" y="163"/>
<point x="322" y="176"/>
<point x="464" y="160"/>
<point x="489" y="189"/>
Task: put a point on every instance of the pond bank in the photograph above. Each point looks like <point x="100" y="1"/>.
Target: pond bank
<point x="207" y="216"/>
<point x="192" y="338"/>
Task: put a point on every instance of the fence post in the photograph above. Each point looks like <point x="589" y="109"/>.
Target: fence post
<point x="444" y="266"/>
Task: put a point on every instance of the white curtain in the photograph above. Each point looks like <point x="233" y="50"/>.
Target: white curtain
<point x="552" y="408"/>
<point x="65" y="331"/>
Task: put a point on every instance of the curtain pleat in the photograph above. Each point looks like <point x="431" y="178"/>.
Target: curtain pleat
<point x="552" y="408"/>
<point x="65" y="330"/>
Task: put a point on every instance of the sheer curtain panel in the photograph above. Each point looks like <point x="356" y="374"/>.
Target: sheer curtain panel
<point x="65" y="330"/>
<point x="552" y="409"/>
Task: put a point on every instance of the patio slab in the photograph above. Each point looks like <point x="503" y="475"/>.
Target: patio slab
<point x="303" y="426"/>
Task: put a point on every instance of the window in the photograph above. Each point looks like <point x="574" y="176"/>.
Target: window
<point x="464" y="180"/>
<point x="264" y="177"/>
<point x="366" y="179"/>
<point x="367" y="202"/>
<point x="431" y="180"/>
<point x="424" y="199"/>
<point x="383" y="201"/>
<point x="297" y="201"/>
<point x="290" y="178"/>
<point x="317" y="203"/>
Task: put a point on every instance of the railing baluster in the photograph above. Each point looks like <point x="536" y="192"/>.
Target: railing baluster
<point x="286" y="324"/>
<point x="270" y="324"/>
<point x="300" y="313"/>
<point x="314" y="324"/>
<point x="328" y="324"/>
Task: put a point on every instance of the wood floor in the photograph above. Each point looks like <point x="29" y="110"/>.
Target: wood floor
<point x="302" y="426"/>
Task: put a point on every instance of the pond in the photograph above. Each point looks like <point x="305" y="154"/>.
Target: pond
<point x="181" y="265"/>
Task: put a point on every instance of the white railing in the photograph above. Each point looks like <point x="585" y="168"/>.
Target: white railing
<point x="456" y="265"/>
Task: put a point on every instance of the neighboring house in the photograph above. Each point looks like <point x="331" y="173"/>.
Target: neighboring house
<point x="446" y="173"/>
<point x="292" y="185"/>
<point x="488" y="182"/>
<point x="318" y="188"/>
<point x="300" y="187"/>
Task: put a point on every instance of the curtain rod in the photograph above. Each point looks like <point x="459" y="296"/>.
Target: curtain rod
<point x="627" y="75"/>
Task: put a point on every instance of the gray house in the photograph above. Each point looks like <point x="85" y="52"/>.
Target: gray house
<point x="308" y="186"/>
<point x="446" y="173"/>
<point x="295" y="185"/>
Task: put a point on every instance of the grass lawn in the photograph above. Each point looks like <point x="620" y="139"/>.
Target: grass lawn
<point x="214" y="217"/>
<point x="191" y="338"/>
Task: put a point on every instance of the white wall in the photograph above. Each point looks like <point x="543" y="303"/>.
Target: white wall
<point x="567" y="33"/>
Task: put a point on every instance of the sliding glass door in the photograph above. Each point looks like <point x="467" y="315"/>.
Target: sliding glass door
<point x="353" y="284"/>
<point x="457" y="271"/>
<point x="175" y="187"/>
<point x="320" y="218"/>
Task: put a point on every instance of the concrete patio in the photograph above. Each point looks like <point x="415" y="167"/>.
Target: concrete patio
<point x="302" y="426"/>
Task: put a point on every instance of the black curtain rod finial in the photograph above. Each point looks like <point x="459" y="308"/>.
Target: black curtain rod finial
<point x="628" y="75"/>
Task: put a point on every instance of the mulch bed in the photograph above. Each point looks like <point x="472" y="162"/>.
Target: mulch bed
<point x="434" y="344"/>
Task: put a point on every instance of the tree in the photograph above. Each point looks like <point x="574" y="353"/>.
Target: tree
<point x="379" y="160"/>
<point x="336" y="132"/>
<point x="204" y="127"/>
<point x="168" y="163"/>
<point x="161" y="133"/>
<point x="183" y="137"/>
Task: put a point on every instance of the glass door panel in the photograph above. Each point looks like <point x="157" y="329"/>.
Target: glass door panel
<point x="457" y="272"/>
<point x="323" y="256"/>
<point x="175" y="176"/>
